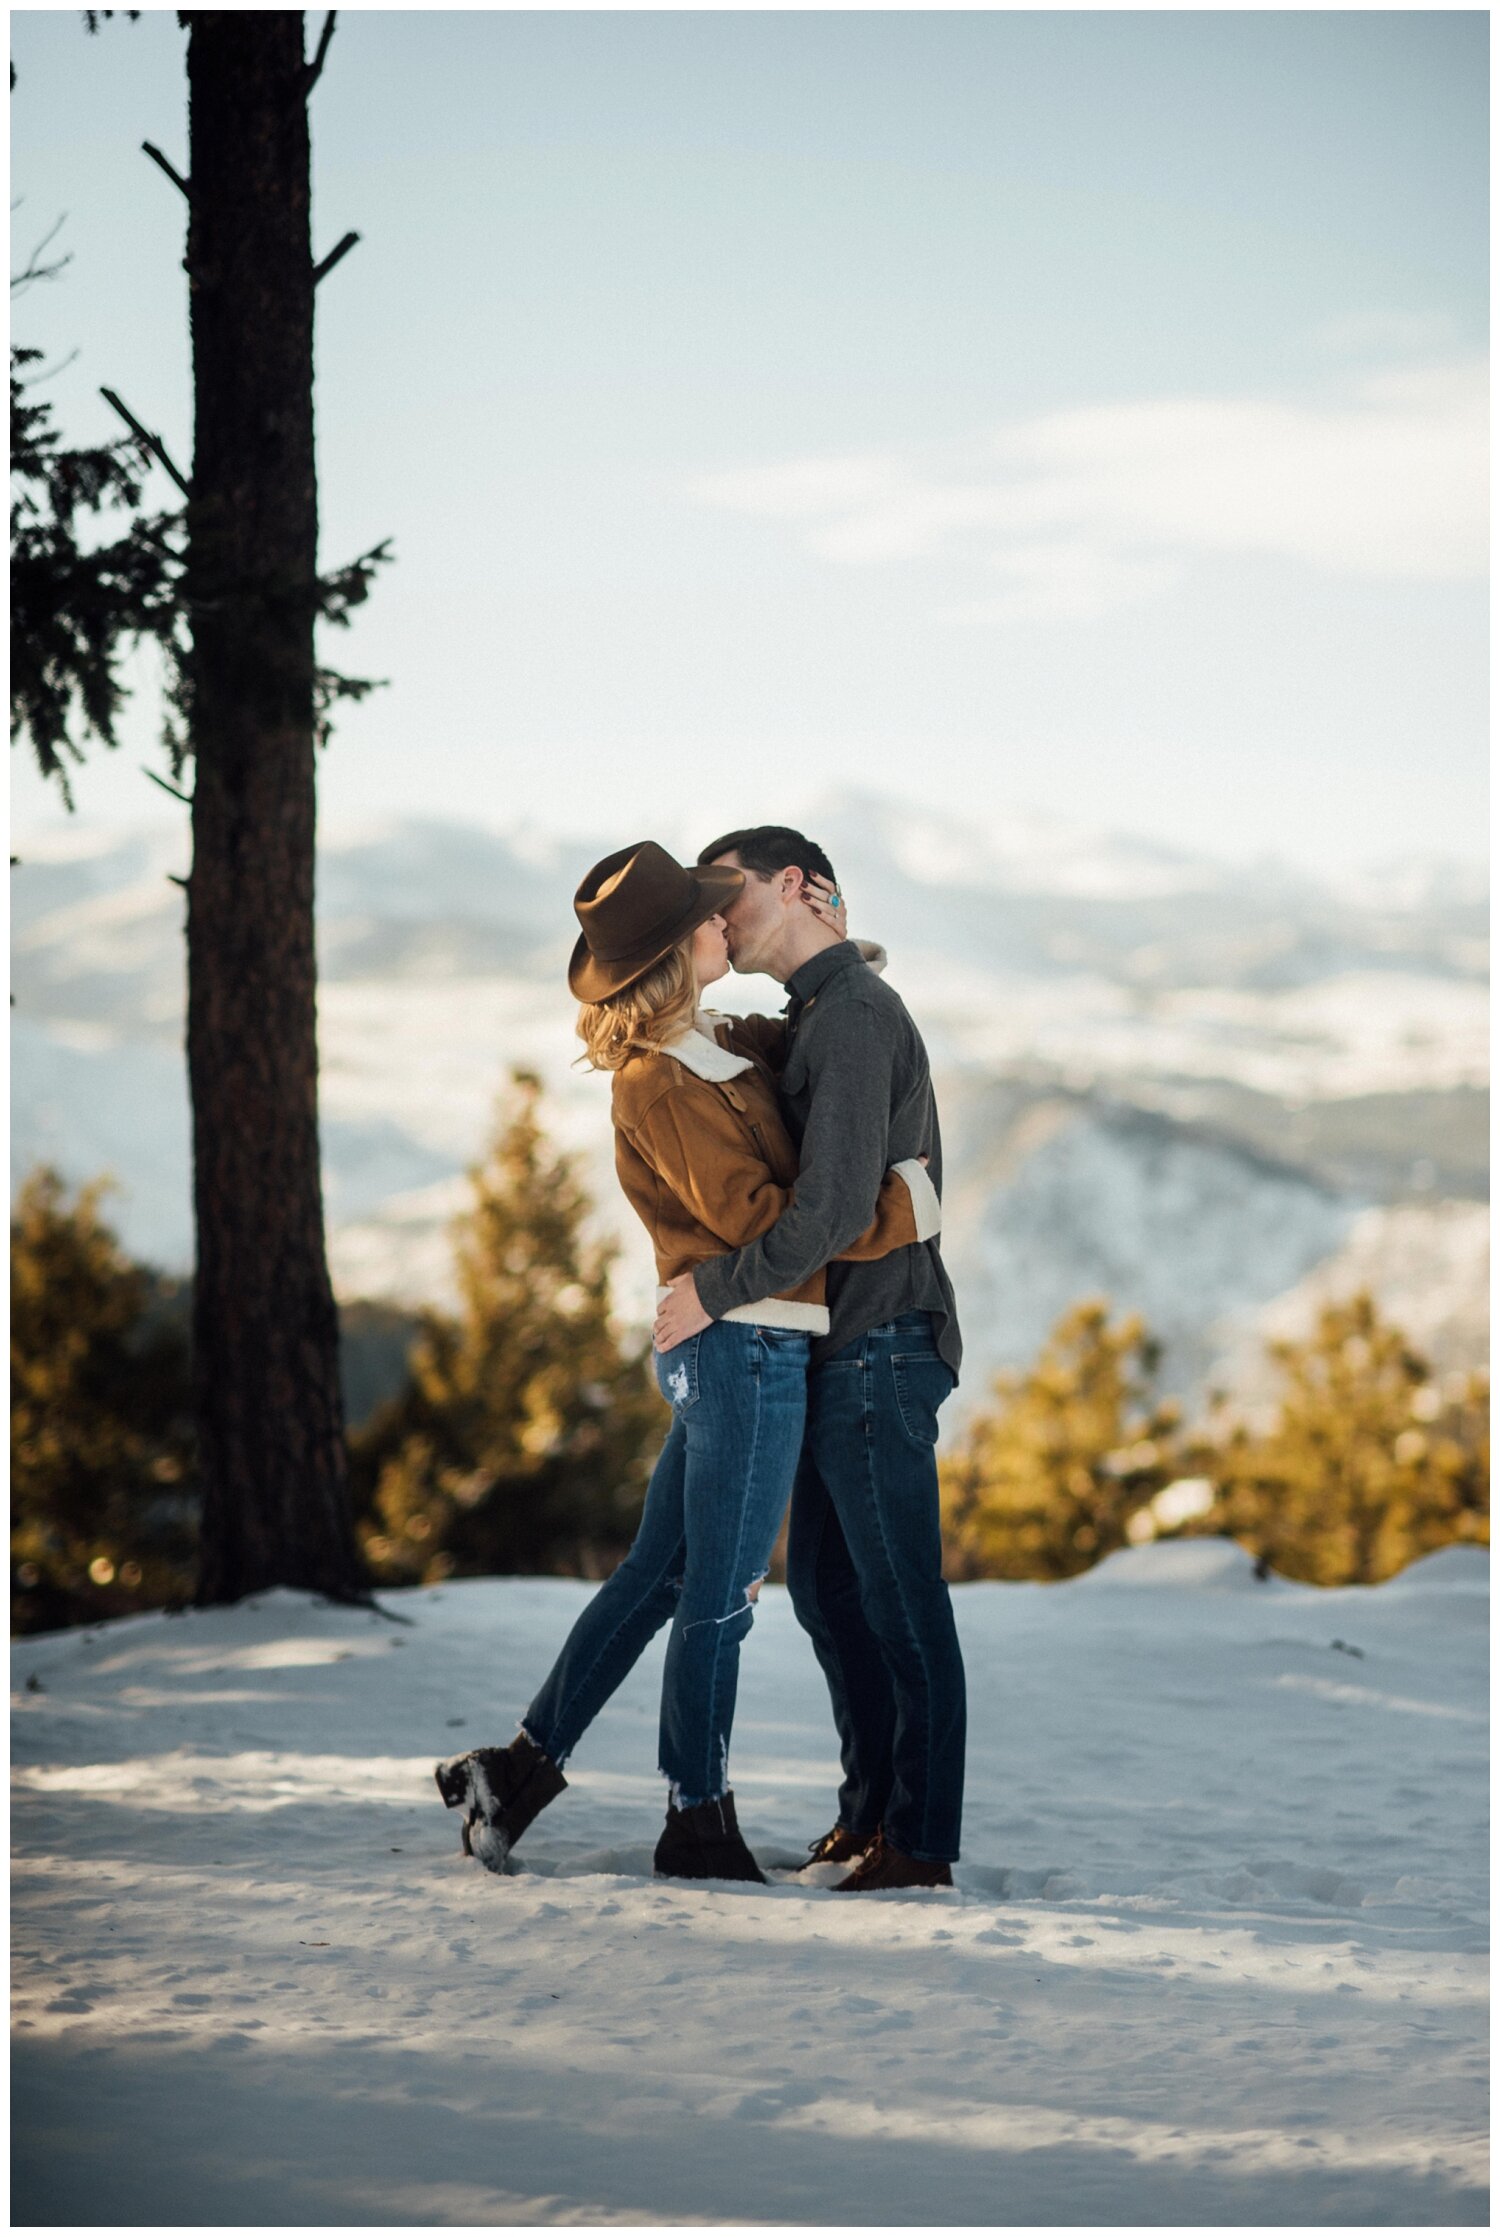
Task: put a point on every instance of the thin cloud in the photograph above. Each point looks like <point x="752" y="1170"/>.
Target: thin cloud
<point x="1076" y="512"/>
<point x="1428" y="335"/>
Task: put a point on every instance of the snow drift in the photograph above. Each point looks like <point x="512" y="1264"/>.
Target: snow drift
<point x="1215" y="1954"/>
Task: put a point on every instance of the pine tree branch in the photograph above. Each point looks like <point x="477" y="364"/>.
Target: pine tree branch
<point x="162" y="164"/>
<point x="314" y="70"/>
<point x="320" y="271"/>
<point x="53" y="370"/>
<point x="185" y="797"/>
<point x="348" y="587"/>
<point x="152" y="442"/>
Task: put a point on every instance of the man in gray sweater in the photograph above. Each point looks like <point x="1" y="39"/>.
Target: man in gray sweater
<point x="864" y="1550"/>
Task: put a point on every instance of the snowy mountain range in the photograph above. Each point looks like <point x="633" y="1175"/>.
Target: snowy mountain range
<point x="1198" y="1089"/>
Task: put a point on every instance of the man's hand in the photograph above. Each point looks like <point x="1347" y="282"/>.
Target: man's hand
<point x="679" y="1315"/>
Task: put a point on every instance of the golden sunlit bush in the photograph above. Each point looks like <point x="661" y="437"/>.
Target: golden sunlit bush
<point x="103" y="1502"/>
<point x="525" y="1434"/>
<point x="1371" y="1459"/>
<point x="1045" y="1482"/>
<point x="1367" y="1459"/>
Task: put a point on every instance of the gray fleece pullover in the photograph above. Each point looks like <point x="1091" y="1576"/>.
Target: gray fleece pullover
<point x="857" y="1094"/>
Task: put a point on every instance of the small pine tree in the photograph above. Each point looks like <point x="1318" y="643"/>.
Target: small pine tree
<point x="525" y="1435"/>
<point x="103" y="1503"/>
<point x="1369" y="1462"/>
<point x="1044" y="1484"/>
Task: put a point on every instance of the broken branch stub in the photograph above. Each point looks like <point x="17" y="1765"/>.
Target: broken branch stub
<point x="314" y="69"/>
<point x="320" y="271"/>
<point x="144" y="435"/>
<point x="162" y="164"/>
<point x="185" y="797"/>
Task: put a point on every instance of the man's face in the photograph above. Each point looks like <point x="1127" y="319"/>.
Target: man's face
<point x="755" y="919"/>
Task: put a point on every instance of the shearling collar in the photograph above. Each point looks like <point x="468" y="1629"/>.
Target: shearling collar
<point x="701" y="1053"/>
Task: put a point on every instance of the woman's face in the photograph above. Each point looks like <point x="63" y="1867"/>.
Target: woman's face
<point x="710" y="951"/>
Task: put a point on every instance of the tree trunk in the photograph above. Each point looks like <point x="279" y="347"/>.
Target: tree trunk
<point x="265" y="1327"/>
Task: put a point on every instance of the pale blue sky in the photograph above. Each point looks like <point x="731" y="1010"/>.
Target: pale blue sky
<point x="1074" y="411"/>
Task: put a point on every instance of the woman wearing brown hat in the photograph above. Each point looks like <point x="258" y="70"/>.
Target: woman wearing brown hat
<point x="704" y="1157"/>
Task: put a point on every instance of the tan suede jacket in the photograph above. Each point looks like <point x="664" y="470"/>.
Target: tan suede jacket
<point x="704" y="1156"/>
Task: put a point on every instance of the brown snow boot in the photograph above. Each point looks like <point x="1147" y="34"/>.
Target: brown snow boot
<point x="500" y="1791"/>
<point x="885" y="1867"/>
<point x="705" y="1843"/>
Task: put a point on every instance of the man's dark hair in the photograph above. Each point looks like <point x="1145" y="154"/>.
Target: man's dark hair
<point x="771" y="848"/>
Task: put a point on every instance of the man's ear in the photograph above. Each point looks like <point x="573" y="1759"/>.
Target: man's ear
<point x="792" y="891"/>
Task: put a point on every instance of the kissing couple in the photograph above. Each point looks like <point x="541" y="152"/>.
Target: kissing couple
<point x="789" y="1172"/>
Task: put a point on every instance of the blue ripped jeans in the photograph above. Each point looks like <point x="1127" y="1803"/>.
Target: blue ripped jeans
<point x="738" y="1395"/>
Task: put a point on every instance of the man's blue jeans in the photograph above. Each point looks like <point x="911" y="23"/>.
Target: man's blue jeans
<point x="717" y="1495"/>
<point x="865" y="1571"/>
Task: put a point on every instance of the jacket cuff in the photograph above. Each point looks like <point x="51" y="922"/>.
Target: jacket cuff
<point x="713" y="1289"/>
<point x="926" y="1204"/>
<point x="874" y="954"/>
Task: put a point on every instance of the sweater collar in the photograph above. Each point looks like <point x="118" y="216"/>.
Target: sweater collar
<point x="701" y="1053"/>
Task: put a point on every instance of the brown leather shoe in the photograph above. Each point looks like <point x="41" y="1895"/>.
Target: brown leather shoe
<point x="885" y="1867"/>
<point x="838" y="1846"/>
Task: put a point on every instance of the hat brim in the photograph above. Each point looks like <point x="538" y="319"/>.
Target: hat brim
<point x="594" y="981"/>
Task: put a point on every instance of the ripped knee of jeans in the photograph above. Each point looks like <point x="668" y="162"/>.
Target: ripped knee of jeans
<point x="752" y="1594"/>
<point x="745" y="1608"/>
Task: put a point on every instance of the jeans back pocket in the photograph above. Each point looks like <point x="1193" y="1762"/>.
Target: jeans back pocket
<point x="677" y="1374"/>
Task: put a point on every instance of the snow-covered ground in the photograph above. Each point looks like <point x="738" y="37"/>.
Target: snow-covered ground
<point x="1239" y="1826"/>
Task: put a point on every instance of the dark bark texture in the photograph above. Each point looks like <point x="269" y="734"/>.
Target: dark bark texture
<point x="265" y="1327"/>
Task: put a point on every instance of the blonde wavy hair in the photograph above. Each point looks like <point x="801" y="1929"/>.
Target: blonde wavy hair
<point x="652" y="1009"/>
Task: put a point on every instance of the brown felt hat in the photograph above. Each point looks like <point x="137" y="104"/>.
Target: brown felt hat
<point x="634" y="907"/>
